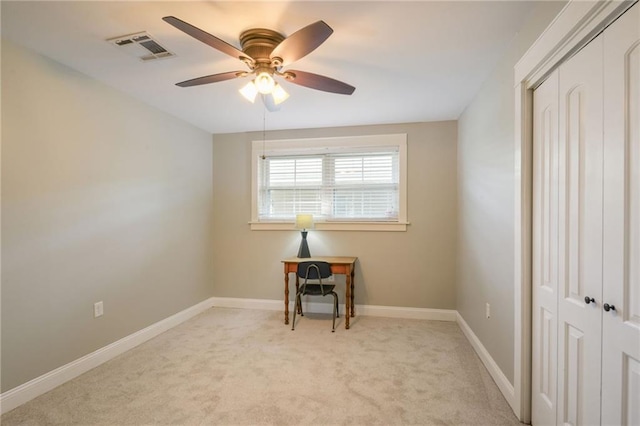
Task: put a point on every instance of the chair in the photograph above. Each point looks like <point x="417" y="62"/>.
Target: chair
<point x="315" y="270"/>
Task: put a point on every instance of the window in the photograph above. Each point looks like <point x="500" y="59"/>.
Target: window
<point x="356" y="183"/>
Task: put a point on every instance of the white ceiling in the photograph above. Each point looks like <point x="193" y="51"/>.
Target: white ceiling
<point x="409" y="61"/>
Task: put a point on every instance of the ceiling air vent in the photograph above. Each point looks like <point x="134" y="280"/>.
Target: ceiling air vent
<point x="141" y="45"/>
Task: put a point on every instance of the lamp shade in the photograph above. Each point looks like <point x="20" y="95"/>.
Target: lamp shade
<point x="304" y="221"/>
<point x="249" y="91"/>
<point x="279" y="94"/>
<point x="264" y="83"/>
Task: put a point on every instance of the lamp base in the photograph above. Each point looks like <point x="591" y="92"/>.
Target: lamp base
<point x="303" y="251"/>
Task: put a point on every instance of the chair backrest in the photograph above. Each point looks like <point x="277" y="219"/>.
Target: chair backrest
<point x="314" y="270"/>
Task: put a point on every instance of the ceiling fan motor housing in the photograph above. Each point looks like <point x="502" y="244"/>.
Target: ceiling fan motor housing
<point x="258" y="43"/>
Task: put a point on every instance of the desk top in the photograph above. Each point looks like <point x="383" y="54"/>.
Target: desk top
<point x="336" y="260"/>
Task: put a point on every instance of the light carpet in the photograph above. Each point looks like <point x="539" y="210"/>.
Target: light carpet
<point x="245" y="367"/>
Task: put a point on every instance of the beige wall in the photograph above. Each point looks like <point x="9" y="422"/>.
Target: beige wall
<point x="485" y="262"/>
<point x="103" y="198"/>
<point x="413" y="268"/>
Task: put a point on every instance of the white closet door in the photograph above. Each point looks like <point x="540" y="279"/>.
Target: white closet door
<point x="621" y="267"/>
<point x="545" y="252"/>
<point x="580" y="243"/>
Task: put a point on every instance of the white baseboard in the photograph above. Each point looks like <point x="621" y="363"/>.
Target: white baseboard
<point x="408" y="313"/>
<point x="38" y="386"/>
<point x="498" y="376"/>
<point x="264" y="304"/>
<point x="325" y="308"/>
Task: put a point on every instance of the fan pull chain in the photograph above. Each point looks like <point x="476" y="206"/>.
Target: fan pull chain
<point x="264" y="109"/>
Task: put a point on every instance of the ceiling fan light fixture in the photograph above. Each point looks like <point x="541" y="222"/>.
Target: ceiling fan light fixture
<point x="249" y="92"/>
<point x="264" y="83"/>
<point x="265" y="52"/>
<point x="279" y="94"/>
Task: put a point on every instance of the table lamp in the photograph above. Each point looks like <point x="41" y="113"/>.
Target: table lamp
<point x="304" y="222"/>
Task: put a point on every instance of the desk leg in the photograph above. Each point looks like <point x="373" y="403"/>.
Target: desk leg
<point x="286" y="296"/>
<point x="347" y="303"/>
<point x="353" y="314"/>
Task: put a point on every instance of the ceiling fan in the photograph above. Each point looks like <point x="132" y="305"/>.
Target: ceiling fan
<point x="265" y="52"/>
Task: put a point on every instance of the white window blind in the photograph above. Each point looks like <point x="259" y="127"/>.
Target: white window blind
<point x="362" y="185"/>
<point x="356" y="183"/>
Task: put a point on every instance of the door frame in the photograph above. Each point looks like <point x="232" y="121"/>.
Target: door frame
<point x="577" y="24"/>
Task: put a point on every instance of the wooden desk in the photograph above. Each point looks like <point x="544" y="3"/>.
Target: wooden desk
<point x="344" y="265"/>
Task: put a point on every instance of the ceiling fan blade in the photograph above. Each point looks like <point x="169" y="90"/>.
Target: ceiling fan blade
<point x="302" y="42"/>
<point x="207" y="38"/>
<point x="214" y="78"/>
<point x="320" y="82"/>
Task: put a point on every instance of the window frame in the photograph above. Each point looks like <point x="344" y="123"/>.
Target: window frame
<point x="315" y="145"/>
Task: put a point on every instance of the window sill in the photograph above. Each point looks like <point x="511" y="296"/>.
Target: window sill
<point x="333" y="226"/>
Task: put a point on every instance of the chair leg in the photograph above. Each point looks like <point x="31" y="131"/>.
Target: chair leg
<point x="335" y="305"/>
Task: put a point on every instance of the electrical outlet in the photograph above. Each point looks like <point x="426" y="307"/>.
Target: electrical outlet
<point x="488" y="311"/>
<point x="98" y="309"/>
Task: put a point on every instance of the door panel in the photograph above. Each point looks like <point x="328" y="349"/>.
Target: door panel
<point x="580" y="243"/>
<point x="631" y="392"/>
<point x="632" y="190"/>
<point x="545" y="252"/>
<point x="576" y="150"/>
<point x="574" y="355"/>
<point x="621" y="257"/>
